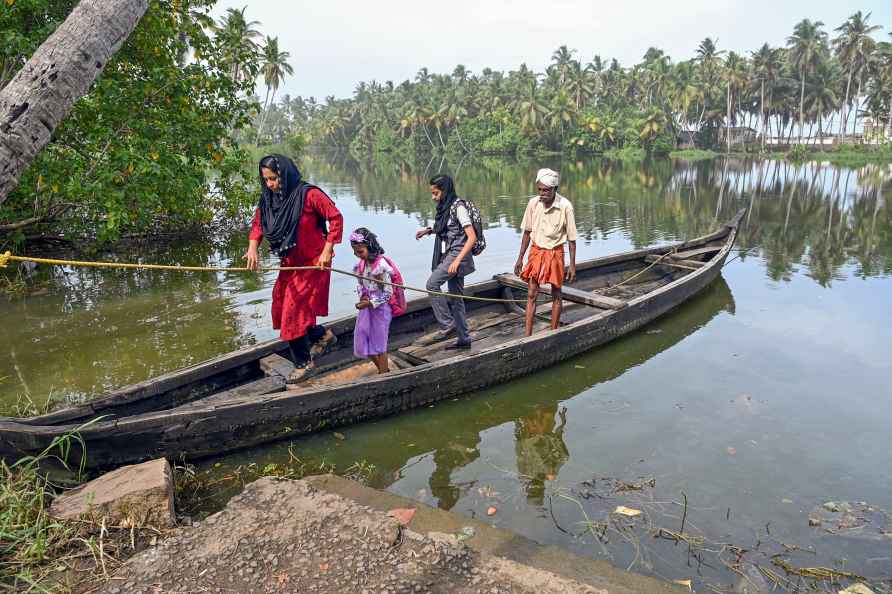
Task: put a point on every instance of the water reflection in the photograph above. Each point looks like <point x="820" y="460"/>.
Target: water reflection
<point x="812" y="214"/>
<point x="540" y="449"/>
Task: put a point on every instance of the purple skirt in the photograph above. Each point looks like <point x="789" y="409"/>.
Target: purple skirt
<point x="372" y="330"/>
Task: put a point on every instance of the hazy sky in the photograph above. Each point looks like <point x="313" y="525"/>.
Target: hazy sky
<point x="334" y="44"/>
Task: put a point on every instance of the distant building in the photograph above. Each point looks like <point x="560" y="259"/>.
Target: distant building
<point x="875" y="131"/>
<point x="740" y="135"/>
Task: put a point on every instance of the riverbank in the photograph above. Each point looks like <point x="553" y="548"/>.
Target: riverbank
<point x="843" y="156"/>
<point x="330" y="535"/>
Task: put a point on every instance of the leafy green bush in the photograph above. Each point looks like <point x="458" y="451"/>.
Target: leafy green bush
<point x="148" y="148"/>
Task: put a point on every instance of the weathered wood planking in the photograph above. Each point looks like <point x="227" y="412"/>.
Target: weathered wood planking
<point x="475" y="323"/>
<point x="266" y="385"/>
<point x="688" y="254"/>
<point x="568" y="293"/>
<point x="276" y="365"/>
<point x="665" y="261"/>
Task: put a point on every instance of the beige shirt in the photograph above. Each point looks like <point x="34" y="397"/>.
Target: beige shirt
<point x="550" y="227"/>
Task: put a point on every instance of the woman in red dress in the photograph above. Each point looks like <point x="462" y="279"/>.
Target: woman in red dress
<point x="301" y="224"/>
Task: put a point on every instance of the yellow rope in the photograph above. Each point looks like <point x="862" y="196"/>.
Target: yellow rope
<point x="8" y="257"/>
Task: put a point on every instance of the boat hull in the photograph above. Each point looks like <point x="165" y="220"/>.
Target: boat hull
<point x="196" y="432"/>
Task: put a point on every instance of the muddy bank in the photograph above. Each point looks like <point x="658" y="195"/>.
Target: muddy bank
<point x="328" y="535"/>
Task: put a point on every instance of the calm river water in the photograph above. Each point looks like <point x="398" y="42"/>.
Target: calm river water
<point x="759" y="401"/>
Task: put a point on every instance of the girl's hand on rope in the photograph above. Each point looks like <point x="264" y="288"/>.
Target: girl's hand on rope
<point x="251" y="257"/>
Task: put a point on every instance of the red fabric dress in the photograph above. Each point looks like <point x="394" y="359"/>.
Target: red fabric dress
<point x="301" y="295"/>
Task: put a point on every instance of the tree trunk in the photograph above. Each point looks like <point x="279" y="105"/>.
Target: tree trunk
<point x="889" y="122"/>
<point x="426" y="133"/>
<point x="857" y="103"/>
<point x="844" y="112"/>
<point x="762" y="114"/>
<point x="728" y="125"/>
<point x="802" y="108"/>
<point x="263" y="115"/>
<point x="59" y="73"/>
<point x="460" y="141"/>
<point x="820" y="130"/>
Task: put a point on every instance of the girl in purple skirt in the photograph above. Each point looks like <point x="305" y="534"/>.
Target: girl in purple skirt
<point x="378" y="302"/>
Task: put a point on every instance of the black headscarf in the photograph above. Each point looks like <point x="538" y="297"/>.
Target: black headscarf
<point x="280" y="211"/>
<point x="447" y="186"/>
<point x="369" y="240"/>
<point x="441" y="219"/>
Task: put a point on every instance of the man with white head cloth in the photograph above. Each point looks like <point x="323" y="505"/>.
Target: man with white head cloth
<point x="549" y="223"/>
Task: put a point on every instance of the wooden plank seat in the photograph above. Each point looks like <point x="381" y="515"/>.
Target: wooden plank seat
<point x="568" y="293"/>
<point x="420" y="351"/>
<point x="666" y="261"/>
<point x="260" y="387"/>
<point x="688" y="254"/>
<point x="276" y="365"/>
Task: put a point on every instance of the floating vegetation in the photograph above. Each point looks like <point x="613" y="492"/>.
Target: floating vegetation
<point x="628" y="515"/>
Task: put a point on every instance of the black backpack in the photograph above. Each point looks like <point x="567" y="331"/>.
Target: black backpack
<point x="476" y="222"/>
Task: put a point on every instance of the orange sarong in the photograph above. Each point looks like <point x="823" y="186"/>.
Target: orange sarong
<point x="546" y="267"/>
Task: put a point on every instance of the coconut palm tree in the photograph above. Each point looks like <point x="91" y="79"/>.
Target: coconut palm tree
<point x="529" y="108"/>
<point x="807" y="46"/>
<point x="767" y="68"/>
<point x="561" y="59"/>
<point x="580" y="84"/>
<point x="821" y="97"/>
<point x="853" y="46"/>
<point x="735" y="72"/>
<point x="460" y="74"/>
<point x="561" y="112"/>
<point x="879" y="98"/>
<point x="423" y="76"/>
<point x="238" y="35"/>
<point x="274" y="67"/>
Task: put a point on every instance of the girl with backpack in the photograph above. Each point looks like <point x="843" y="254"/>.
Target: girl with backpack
<point x="379" y="301"/>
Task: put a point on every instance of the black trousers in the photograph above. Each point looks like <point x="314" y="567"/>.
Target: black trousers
<point x="300" y="347"/>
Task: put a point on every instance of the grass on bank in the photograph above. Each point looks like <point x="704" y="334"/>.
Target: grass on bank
<point x="39" y="553"/>
<point x="846" y="155"/>
<point x="626" y="154"/>
<point x="200" y="493"/>
<point x="693" y="155"/>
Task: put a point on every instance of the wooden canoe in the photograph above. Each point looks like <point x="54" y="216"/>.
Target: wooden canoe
<point x="240" y="399"/>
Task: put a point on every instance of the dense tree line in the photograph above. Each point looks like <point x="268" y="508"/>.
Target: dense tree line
<point x="792" y="92"/>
